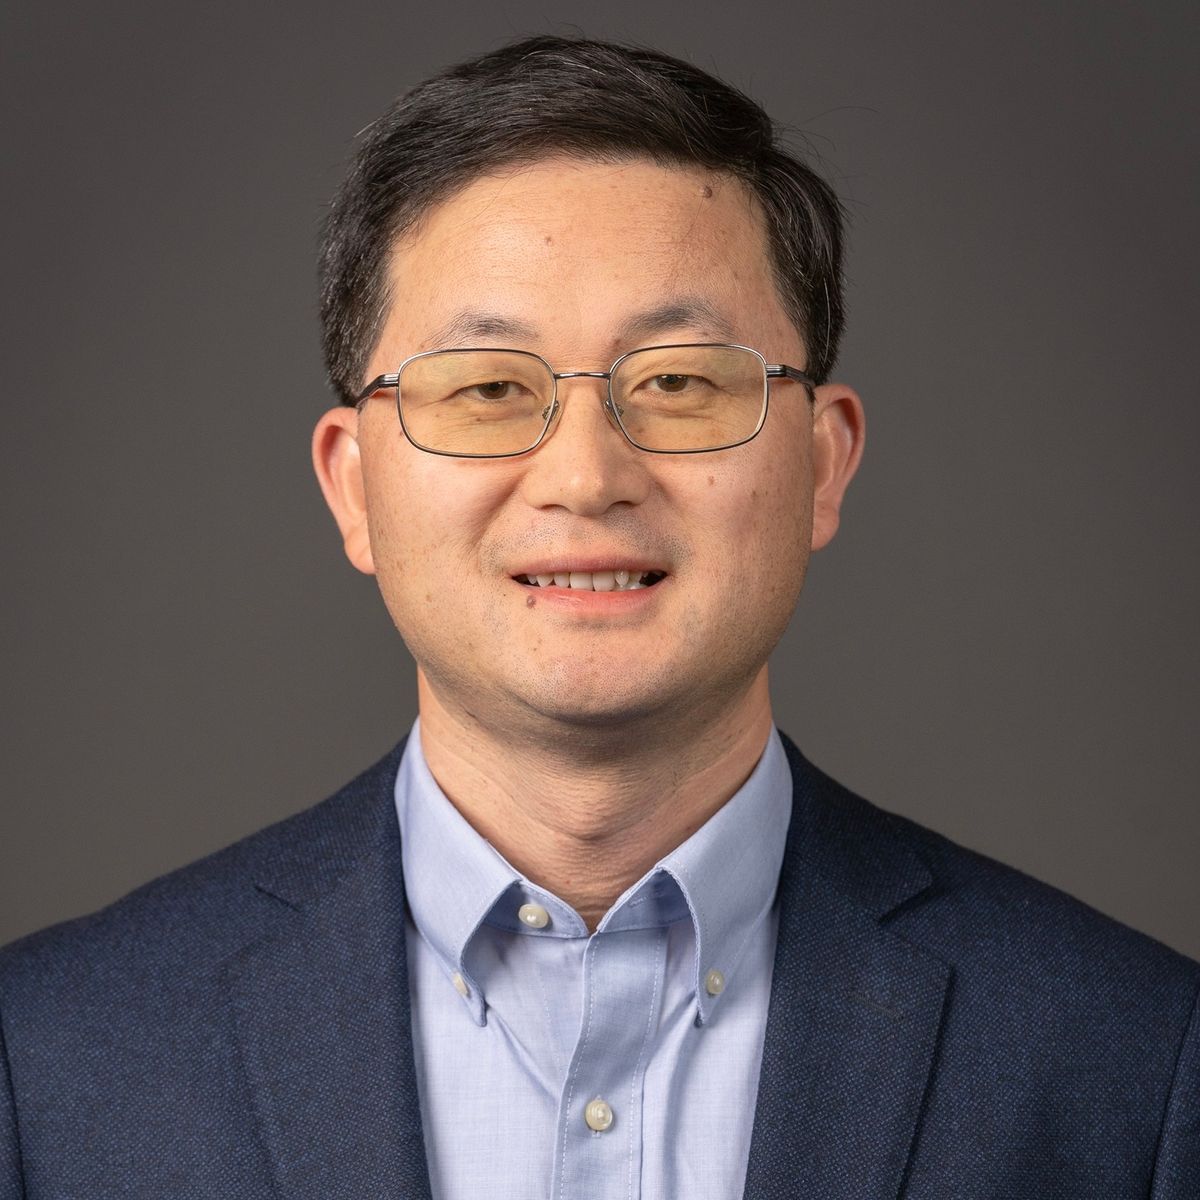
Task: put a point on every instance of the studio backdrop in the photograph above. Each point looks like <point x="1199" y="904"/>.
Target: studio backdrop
<point x="1002" y="641"/>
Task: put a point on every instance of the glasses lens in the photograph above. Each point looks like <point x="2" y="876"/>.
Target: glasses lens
<point x="690" y="397"/>
<point x="475" y="402"/>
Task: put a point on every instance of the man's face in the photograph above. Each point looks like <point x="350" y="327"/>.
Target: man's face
<point x="581" y="262"/>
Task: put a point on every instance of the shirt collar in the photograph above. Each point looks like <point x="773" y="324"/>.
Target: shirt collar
<point x="438" y="845"/>
<point x="724" y="876"/>
<point x="728" y="871"/>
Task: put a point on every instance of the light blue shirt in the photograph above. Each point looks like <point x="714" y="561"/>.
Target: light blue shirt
<point x="554" y="1065"/>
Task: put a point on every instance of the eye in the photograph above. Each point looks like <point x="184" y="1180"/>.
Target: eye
<point x="672" y="383"/>
<point x="497" y="389"/>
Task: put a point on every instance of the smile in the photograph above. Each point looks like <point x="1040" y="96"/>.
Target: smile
<point x="594" y="581"/>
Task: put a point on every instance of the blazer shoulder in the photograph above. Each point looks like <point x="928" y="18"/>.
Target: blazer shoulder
<point x="193" y="917"/>
<point x="1039" y="919"/>
<point x="976" y="910"/>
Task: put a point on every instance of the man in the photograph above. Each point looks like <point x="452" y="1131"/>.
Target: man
<point x="595" y="929"/>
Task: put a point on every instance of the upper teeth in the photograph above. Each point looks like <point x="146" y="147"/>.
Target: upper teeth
<point x="594" y="581"/>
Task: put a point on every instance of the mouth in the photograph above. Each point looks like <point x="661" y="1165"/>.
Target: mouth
<point x="615" y="580"/>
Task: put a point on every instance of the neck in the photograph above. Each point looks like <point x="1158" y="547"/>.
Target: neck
<point x="585" y="818"/>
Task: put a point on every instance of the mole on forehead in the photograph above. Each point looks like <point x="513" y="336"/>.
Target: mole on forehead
<point x="619" y="175"/>
<point x="479" y="203"/>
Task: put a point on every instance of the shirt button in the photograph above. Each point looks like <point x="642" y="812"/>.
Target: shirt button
<point x="460" y="984"/>
<point x="598" y="1115"/>
<point x="533" y="915"/>
<point x="714" y="983"/>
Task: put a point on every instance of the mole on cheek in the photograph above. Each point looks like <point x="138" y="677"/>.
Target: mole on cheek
<point x="711" y="481"/>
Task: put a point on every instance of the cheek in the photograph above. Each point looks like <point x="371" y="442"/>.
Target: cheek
<point x="777" y="538"/>
<point x="766" y="521"/>
<point x="428" y="519"/>
<point x="777" y="545"/>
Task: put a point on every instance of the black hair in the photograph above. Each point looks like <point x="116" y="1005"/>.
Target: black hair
<point x="596" y="100"/>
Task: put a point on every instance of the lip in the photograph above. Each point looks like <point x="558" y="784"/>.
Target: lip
<point x="581" y="602"/>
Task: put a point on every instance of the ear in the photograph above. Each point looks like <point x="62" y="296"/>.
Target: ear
<point x="839" y="432"/>
<point x="337" y="461"/>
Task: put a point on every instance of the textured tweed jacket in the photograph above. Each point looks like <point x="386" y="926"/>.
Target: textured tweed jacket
<point x="940" y="1026"/>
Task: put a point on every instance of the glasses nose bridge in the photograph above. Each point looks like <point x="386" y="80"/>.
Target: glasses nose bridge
<point x="605" y="375"/>
<point x="606" y="400"/>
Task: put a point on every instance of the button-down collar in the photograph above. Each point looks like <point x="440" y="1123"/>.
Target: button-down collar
<point x="724" y="877"/>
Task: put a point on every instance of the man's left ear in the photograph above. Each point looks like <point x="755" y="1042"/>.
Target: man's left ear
<point x="839" y="432"/>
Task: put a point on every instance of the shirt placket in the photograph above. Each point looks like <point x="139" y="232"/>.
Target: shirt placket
<point x="599" y="1129"/>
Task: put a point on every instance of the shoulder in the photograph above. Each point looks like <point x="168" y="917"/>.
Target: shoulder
<point x="1012" y="918"/>
<point x="183" y="924"/>
<point x="999" y="929"/>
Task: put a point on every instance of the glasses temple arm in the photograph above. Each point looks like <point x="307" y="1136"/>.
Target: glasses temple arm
<point x="380" y="381"/>
<point x="783" y="371"/>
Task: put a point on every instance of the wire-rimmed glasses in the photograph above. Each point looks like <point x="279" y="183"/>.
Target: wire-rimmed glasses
<point x="678" y="399"/>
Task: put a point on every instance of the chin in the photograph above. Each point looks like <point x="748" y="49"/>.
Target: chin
<point x="590" y="711"/>
<point x="597" y="696"/>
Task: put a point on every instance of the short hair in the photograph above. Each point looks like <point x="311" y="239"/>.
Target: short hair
<point x="547" y="96"/>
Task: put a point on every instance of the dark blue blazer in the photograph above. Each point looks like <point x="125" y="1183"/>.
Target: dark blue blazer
<point x="940" y="1026"/>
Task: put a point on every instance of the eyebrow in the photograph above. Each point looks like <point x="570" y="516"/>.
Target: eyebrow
<point x="470" y="324"/>
<point x="687" y="312"/>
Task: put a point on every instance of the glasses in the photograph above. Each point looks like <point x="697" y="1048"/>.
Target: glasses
<point x="686" y="399"/>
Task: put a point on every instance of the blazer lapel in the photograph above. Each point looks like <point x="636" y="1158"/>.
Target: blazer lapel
<point x="321" y="1009"/>
<point x="855" y="1009"/>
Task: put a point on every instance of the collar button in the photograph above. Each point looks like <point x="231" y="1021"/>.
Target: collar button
<point x="533" y="916"/>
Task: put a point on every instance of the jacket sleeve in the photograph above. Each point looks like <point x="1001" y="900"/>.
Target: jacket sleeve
<point x="1177" y="1164"/>
<point x="11" y="1187"/>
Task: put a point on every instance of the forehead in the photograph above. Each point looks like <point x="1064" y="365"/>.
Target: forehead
<point x="566" y="251"/>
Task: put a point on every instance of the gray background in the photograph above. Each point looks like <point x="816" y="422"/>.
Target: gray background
<point x="1002" y="642"/>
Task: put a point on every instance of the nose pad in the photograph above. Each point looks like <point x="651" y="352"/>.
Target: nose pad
<point x="611" y="412"/>
<point x="552" y="411"/>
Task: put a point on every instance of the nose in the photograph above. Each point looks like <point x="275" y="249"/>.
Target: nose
<point x="585" y="464"/>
